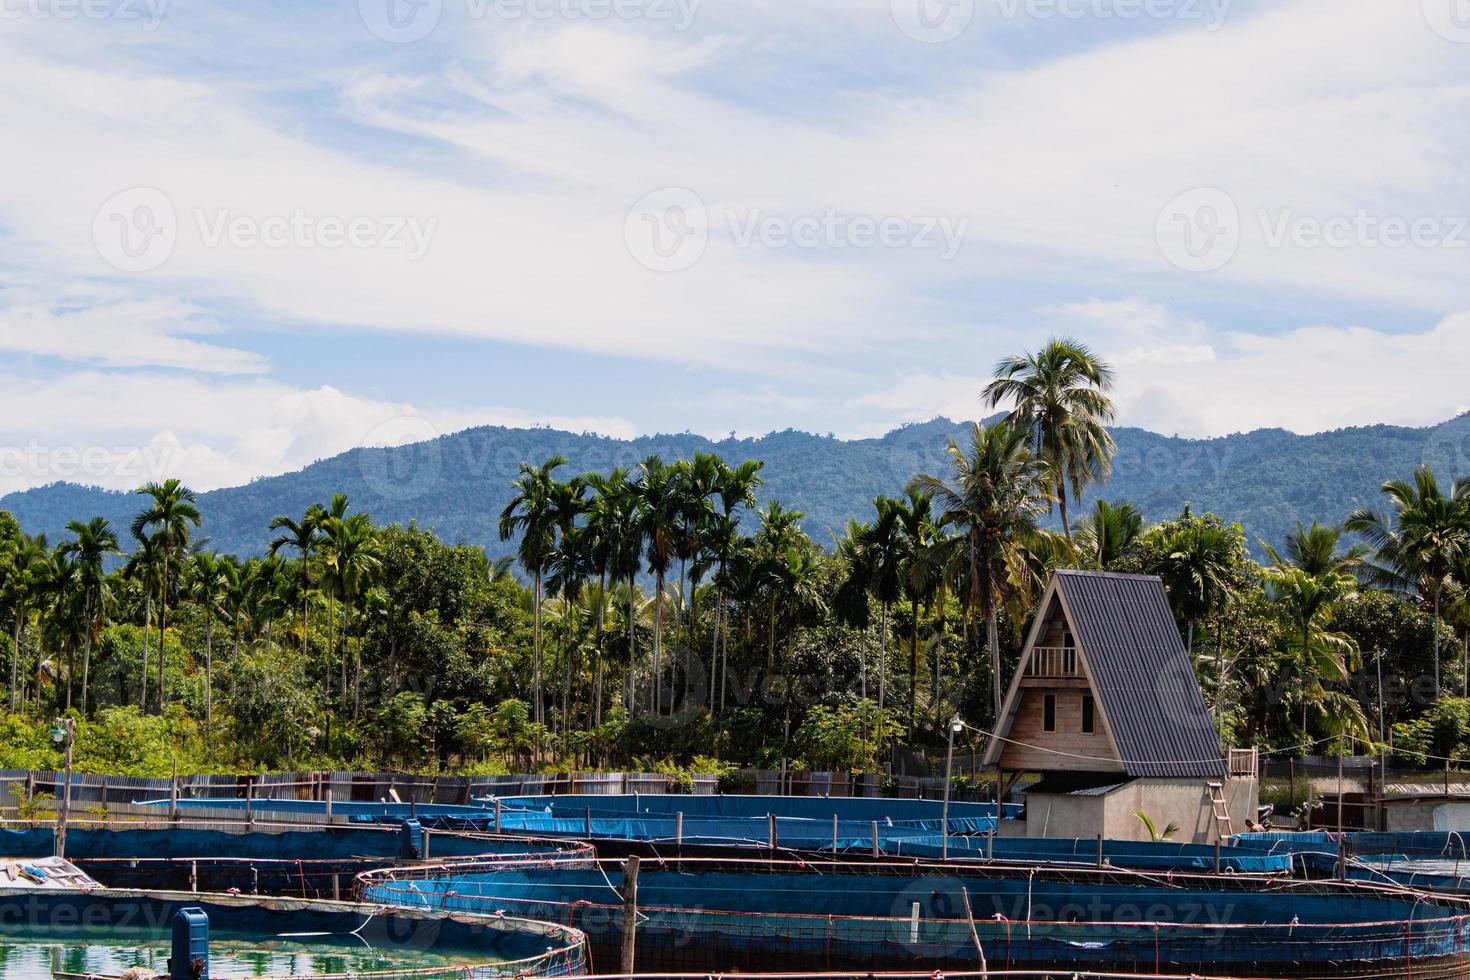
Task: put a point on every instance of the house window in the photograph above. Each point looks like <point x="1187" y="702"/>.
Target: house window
<point x="1087" y="709"/>
<point x="1049" y="713"/>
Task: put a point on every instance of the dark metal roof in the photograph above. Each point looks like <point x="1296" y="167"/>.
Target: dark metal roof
<point x="1078" y="784"/>
<point x="1142" y="674"/>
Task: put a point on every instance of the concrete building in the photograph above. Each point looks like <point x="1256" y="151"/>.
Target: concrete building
<point x="1105" y="707"/>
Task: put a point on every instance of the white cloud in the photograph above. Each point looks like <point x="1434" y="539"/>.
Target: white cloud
<point x="124" y="334"/>
<point x="118" y="430"/>
<point x="1306" y="380"/>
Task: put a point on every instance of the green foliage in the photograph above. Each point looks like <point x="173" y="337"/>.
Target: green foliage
<point x="844" y="737"/>
<point x="1155" y="833"/>
<point x="1442" y="732"/>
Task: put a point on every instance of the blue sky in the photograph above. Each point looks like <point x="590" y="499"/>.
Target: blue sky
<point x="235" y="238"/>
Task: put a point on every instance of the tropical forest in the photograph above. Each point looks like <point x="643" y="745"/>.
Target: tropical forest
<point x="670" y="614"/>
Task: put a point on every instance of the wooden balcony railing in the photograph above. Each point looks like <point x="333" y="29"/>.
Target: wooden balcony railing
<point x="1053" y="662"/>
<point x="1245" y="762"/>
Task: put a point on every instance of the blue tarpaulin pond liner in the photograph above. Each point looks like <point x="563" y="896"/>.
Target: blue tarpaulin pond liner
<point x="1433" y="860"/>
<point x="815" y="915"/>
<point x="1139" y="855"/>
<point x="319" y="863"/>
<point x="460" y="946"/>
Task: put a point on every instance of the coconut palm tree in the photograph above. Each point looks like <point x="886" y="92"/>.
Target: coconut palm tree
<point x="997" y="490"/>
<point x="1107" y="534"/>
<point x="1059" y="396"/>
<point x="1417" y="543"/>
<point x="1315" y="550"/>
<point x="1319" y="655"/>
<point x="888" y="553"/>
<point x="1196" y="560"/>
<point x="92" y="543"/>
<point x="167" y="520"/>
<point x="532" y="514"/>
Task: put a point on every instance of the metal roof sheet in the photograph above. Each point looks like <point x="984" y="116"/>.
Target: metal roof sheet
<point x="1142" y="674"/>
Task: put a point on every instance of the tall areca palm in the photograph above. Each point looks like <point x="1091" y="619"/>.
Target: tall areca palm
<point x="915" y="521"/>
<point x="207" y="584"/>
<point x="735" y="489"/>
<point x="167" y="519"/>
<point x="91" y="545"/>
<point x="1107" y="533"/>
<point x="532" y="514"/>
<point x="1059" y="396"/>
<point x="146" y="567"/>
<point x="350" y="562"/>
<point x="888" y="552"/>
<point x="304" y="536"/>
<point x="1416" y="545"/>
<point x="997" y="490"/>
<point x="659" y="506"/>
<point x="1196" y="561"/>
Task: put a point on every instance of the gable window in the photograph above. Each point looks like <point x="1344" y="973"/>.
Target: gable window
<point x="1088" y="721"/>
<point x="1049" y="713"/>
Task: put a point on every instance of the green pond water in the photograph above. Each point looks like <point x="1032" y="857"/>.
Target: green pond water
<point x="36" y="959"/>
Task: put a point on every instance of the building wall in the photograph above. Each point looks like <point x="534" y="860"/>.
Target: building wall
<point x="1029" y="727"/>
<point x="1185" y="802"/>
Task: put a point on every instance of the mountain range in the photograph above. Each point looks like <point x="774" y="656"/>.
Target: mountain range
<point x="457" y="484"/>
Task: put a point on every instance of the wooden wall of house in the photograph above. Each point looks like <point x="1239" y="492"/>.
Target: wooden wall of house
<point x="1069" y="737"/>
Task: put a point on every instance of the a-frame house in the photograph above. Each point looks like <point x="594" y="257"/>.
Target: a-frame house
<point x="1105" y="707"/>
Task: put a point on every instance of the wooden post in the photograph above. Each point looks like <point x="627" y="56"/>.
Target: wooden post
<point x="497" y="816"/>
<point x="630" y="913"/>
<point x="679" y="828"/>
<point x="974" y="935"/>
<point x="834" y="835"/>
<point x="173" y="795"/>
<point x="1217" y="854"/>
<point x="587" y="822"/>
<point x="427" y="834"/>
<point x="875" y="839"/>
<point x="771" y="829"/>
<point x="1100" y="851"/>
<point x="249" y="800"/>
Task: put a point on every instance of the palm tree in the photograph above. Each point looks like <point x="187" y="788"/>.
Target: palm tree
<point x="736" y="488"/>
<point x="997" y="490"/>
<point x="852" y="599"/>
<point x="914" y="517"/>
<point x="167" y="519"/>
<point x="64" y="621"/>
<point x="1319" y="654"/>
<point x="146" y="567"/>
<point x="659" y="505"/>
<point x="24" y="577"/>
<point x="887" y="553"/>
<point x="1416" y="546"/>
<point x="350" y="561"/>
<point x="304" y="536"/>
<point x="1059" y="396"/>
<point x="1315" y="551"/>
<point x="92" y="543"/>
<point x="207" y="584"/>
<point x="532" y="513"/>
<point x="1107" y="534"/>
<point x="1196" y="561"/>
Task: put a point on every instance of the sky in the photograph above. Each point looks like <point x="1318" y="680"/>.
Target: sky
<point x="239" y="237"/>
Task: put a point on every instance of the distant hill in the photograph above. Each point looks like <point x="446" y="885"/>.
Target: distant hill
<point x="457" y="484"/>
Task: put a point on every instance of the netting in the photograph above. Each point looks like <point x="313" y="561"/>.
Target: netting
<point x="472" y="945"/>
<point x="776" y="914"/>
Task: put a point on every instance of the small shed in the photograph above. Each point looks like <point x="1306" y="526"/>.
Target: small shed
<point x="1105" y="706"/>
